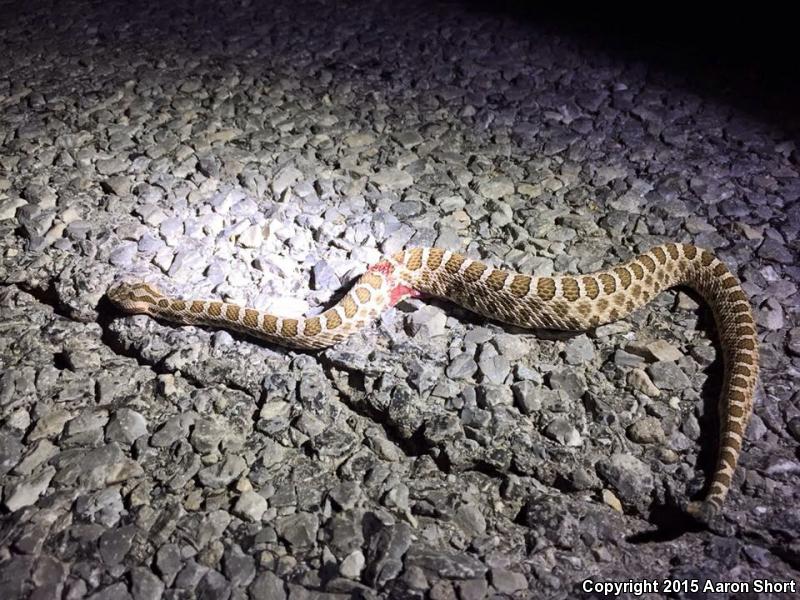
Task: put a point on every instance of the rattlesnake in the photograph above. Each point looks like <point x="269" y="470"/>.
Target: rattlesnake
<point x="566" y="302"/>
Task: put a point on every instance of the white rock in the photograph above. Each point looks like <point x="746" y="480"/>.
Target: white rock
<point x="392" y="179"/>
<point x="352" y="565"/>
<point x="252" y="237"/>
<point x="8" y="208"/>
<point x="639" y="380"/>
<point x="27" y="491"/>
<point x="250" y="505"/>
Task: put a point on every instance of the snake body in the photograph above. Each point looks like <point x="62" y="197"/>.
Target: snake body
<point x="565" y="302"/>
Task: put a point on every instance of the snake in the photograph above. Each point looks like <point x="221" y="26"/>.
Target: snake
<point x="559" y="302"/>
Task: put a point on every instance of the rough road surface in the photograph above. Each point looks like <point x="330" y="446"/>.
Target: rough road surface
<point x="267" y="155"/>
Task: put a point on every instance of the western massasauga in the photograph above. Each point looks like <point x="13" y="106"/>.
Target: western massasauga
<point x="565" y="302"/>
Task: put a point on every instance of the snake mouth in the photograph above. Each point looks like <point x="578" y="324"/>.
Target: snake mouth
<point x="398" y="290"/>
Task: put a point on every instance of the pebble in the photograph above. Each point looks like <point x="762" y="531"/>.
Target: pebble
<point x="630" y="478"/>
<point x="639" y="380"/>
<point x="668" y="376"/>
<point x="563" y="432"/>
<point x="43" y="451"/>
<point x="223" y="473"/>
<point x="647" y="430"/>
<point x="299" y="530"/>
<point x="429" y="321"/>
<point x="126" y="426"/>
<point x="527" y="396"/>
<point x="661" y="350"/>
<point x="462" y="366"/>
<point x="611" y="500"/>
<point x="392" y="179"/>
<point x="24" y="492"/>
<point x="579" y="350"/>
<point x="494" y="189"/>
<point x="774" y="250"/>
<point x="8" y="207"/>
<point x="352" y="565"/>
<point x="506" y="581"/>
<point x="494" y="368"/>
<point x="568" y="381"/>
<point x="123" y="255"/>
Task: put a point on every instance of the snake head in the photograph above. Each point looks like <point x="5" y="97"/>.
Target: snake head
<point x="133" y="297"/>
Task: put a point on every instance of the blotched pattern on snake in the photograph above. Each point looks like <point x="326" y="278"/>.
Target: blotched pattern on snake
<point x="566" y="302"/>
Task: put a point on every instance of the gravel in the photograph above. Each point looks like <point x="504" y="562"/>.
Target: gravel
<point x="235" y="152"/>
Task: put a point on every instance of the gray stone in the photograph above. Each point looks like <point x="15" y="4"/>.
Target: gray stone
<point x="408" y="139"/>
<point x="470" y="520"/>
<point x="299" y="530"/>
<point x="494" y="368"/>
<point x="462" y="366"/>
<point x="392" y="179"/>
<point x="627" y="359"/>
<point x="122" y="255"/>
<point x="145" y="585"/>
<point x="508" y="582"/>
<point x="117" y="591"/>
<point x="111" y="166"/>
<point x="207" y="435"/>
<point x="661" y="350"/>
<point x="115" y="543"/>
<point x="223" y="473"/>
<point x="250" y="506"/>
<point x="25" y="491"/>
<point x="96" y="468"/>
<point x="238" y="567"/>
<point x="563" y="432"/>
<point x="770" y="315"/>
<point x="41" y="452"/>
<point x="213" y="586"/>
<point x="429" y="319"/>
<point x="126" y="426"/>
<point x="774" y="250"/>
<point x="640" y="381"/>
<point x="174" y="429"/>
<point x="8" y="208"/>
<point x="385" y="551"/>
<point x="450" y="565"/>
<point x="668" y="376"/>
<point x="168" y="560"/>
<point x="630" y="478"/>
<point x="284" y="179"/>
<point x="190" y="575"/>
<point x="352" y="565"/>
<point x="267" y="586"/>
<point x="324" y="277"/>
<point x="647" y="430"/>
<point x="527" y="396"/>
<point x="494" y="189"/>
<point x="119" y="185"/>
<point x="568" y="381"/>
<point x="10" y="451"/>
<point x="579" y="350"/>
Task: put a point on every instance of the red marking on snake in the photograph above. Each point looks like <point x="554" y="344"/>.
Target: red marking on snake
<point x="397" y="292"/>
<point x="384" y="268"/>
<point x="400" y="292"/>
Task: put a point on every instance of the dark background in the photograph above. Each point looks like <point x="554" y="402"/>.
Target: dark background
<point x="746" y="56"/>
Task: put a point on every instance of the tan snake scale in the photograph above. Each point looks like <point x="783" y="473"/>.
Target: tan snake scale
<point x="566" y="302"/>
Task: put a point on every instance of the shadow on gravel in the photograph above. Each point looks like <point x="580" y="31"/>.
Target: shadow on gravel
<point x="747" y="61"/>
